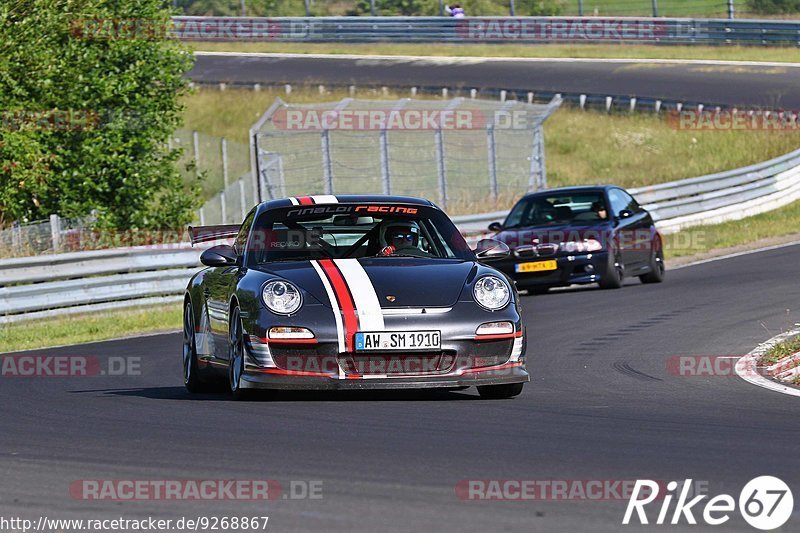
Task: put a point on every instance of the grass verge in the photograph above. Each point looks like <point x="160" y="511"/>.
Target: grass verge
<point x="607" y="51"/>
<point x="779" y="351"/>
<point x="89" y="327"/>
<point x="732" y="236"/>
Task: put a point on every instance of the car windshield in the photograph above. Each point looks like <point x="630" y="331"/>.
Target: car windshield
<point x="354" y="230"/>
<point x="558" y="209"/>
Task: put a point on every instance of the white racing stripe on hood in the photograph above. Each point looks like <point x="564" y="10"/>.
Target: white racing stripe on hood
<point x="337" y="313"/>
<point x="325" y="199"/>
<point x="294" y="201"/>
<point x="368" y="308"/>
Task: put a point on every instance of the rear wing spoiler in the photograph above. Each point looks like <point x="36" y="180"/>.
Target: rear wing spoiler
<point x="213" y="233"/>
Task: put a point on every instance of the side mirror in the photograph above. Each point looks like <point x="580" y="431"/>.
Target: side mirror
<point x="495" y="226"/>
<point x="625" y="213"/>
<point x="217" y="256"/>
<point x="491" y="250"/>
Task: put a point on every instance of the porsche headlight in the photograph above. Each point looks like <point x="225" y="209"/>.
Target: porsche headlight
<point x="492" y="293"/>
<point x="281" y="297"/>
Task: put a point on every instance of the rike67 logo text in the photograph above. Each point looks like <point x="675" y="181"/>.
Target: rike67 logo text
<point x="765" y="503"/>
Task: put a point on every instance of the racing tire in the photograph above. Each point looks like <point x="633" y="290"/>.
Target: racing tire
<point x="193" y="379"/>
<point x="500" y="392"/>
<point x="236" y="356"/>
<point x="657" y="267"/>
<point x="614" y="274"/>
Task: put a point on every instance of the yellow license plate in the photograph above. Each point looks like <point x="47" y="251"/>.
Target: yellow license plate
<point x="536" y="266"/>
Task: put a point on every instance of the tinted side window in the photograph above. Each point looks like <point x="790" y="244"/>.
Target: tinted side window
<point x="621" y="200"/>
<point x="241" y="238"/>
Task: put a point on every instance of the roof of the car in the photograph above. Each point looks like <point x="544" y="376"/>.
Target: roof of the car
<point x="321" y="199"/>
<point x="572" y="190"/>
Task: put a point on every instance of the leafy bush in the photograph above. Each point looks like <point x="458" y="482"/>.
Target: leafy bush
<point x="87" y="108"/>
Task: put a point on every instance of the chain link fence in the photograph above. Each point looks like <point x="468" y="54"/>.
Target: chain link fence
<point x="462" y="153"/>
<point x="53" y="235"/>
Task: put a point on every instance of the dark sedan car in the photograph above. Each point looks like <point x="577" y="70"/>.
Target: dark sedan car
<point x="579" y="235"/>
<point x="351" y="292"/>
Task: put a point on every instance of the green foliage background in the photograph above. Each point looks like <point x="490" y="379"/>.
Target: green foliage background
<point x="119" y="166"/>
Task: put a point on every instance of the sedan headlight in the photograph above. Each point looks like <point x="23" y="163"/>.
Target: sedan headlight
<point x="588" y="245"/>
<point x="281" y="297"/>
<point x="491" y="292"/>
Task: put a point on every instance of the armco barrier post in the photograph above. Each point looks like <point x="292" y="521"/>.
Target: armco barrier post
<point x="655" y="8"/>
<point x="196" y="148"/>
<point x="491" y="152"/>
<point x="55" y="232"/>
<point x="731" y="13"/>
<point x="384" y="156"/>
<point x="224" y="162"/>
<point x="242" y="202"/>
<point x="327" y="165"/>
<point x="440" y="168"/>
<point x="16" y="236"/>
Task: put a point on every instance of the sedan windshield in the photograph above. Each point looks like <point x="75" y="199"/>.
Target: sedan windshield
<point x="354" y="230"/>
<point x="549" y="210"/>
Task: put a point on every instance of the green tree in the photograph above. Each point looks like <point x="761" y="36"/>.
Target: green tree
<point x="88" y="100"/>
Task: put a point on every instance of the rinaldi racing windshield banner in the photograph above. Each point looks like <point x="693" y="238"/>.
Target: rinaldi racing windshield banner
<point x="306" y="231"/>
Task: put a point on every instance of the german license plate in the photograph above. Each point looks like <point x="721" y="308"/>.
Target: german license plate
<point x="536" y="266"/>
<point x="398" y="340"/>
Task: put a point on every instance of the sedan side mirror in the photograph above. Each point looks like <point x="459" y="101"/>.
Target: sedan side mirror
<point x="625" y="213"/>
<point x="491" y="250"/>
<point x="217" y="256"/>
<point x="495" y="226"/>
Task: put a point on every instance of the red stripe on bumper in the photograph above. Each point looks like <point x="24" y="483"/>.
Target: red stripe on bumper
<point x="498" y="336"/>
<point x="287" y="341"/>
<point x="491" y="368"/>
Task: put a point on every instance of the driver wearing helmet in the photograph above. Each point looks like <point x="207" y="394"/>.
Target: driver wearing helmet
<point x="398" y="235"/>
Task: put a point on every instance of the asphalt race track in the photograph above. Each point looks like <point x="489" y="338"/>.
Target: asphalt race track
<point x="767" y="85"/>
<point x="601" y="406"/>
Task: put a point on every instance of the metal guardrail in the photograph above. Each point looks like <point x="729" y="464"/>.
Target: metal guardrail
<point x="490" y="30"/>
<point x="61" y="284"/>
<point x="704" y="200"/>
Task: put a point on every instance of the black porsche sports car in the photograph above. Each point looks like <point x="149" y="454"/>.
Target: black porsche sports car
<point x="579" y="235"/>
<point x="351" y="292"/>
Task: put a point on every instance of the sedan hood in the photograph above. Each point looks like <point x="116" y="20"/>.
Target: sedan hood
<point x="411" y="281"/>
<point x="553" y="234"/>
